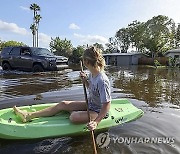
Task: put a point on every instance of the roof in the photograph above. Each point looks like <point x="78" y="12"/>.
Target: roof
<point x="173" y="51"/>
<point x="122" y="54"/>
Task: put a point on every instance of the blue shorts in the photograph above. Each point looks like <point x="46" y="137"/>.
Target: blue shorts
<point x="96" y="109"/>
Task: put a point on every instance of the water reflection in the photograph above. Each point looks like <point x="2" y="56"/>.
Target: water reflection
<point x="151" y="85"/>
<point x="16" y="85"/>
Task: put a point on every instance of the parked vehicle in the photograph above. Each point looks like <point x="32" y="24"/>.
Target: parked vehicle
<point x="30" y="59"/>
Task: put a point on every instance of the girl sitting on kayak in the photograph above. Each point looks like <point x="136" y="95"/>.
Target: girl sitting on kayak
<point x="99" y="98"/>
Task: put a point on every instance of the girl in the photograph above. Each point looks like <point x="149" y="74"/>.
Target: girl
<point x="99" y="95"/>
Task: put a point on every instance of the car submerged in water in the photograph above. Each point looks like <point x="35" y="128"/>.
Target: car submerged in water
<point x="30" y="59"/>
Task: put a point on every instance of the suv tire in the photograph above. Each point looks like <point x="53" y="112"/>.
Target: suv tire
<point x="6" y="67"/>
<point x="38" y="68"/>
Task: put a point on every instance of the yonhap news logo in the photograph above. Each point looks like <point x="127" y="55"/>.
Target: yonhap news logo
<point x="103" y="140"/>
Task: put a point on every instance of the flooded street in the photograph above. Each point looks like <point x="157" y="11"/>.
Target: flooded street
<point x="155" y="91"/>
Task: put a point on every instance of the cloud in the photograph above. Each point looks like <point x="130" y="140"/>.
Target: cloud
<point x="25" y="8"/>
<point x="12" y="27"/>
<point x="91" y="39"/>
<point x="44" y="40"/>
<point x="74" y="26"/>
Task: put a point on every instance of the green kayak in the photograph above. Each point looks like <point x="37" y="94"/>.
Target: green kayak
<point x="11" y="127"/>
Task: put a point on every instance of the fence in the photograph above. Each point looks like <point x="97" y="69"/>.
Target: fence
<point x="150" y="61"/>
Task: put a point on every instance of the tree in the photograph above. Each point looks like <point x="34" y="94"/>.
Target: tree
<point x="35" y="8"/>
<point x="154" y="37"/>
<point x="33" y="29"/>
<point x="109" y="48"/>
<point x="11" y="44"/>
<point x="177" y="36"/>
<point x="123" y="39"/>
<point x="158" y="34"/>
<point x="136" y="35"/>
<point x="36" y="19"/>
<point x="1" y="42"/>
<point x="77" y="54"/>
<point x="61" y="47"/>
<point x="100" y="46"/>
<point x="112" y="46"/>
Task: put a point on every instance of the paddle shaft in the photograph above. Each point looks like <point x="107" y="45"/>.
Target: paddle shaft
<point x="89" y="118"/>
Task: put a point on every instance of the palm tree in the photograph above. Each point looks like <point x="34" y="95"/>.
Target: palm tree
<point x="35" y="8"/>
<point x="37" y="20"/>
<point x="33" y="29"/>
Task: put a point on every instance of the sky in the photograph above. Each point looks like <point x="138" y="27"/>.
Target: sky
<point x="81" y="21"/>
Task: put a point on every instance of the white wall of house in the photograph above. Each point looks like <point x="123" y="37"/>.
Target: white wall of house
<point x="135" y="59"/>
<point x="173" y="53"/>
<point x="122" y="59"/>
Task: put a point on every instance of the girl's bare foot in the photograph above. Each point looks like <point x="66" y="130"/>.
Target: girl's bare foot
<point x="24" y="115"/>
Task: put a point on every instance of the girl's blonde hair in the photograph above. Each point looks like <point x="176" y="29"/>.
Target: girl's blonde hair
<point x="95" y="58"/>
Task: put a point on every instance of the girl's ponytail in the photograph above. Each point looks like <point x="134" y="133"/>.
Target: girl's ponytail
<point x="94" y="57"/>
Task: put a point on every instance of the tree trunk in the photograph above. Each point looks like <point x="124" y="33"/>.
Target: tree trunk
<point x="37" y="37"/>
<point x="33" y="40"/>
<point x="35" y="29"/>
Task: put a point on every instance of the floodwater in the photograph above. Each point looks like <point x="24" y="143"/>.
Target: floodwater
<point x="155" y="91"/>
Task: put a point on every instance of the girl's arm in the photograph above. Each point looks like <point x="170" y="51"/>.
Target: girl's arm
<point x="105" y="108"/>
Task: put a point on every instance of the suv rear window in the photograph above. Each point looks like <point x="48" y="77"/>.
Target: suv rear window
<point x="6" y="51"/>
<point x="15" y="51"/>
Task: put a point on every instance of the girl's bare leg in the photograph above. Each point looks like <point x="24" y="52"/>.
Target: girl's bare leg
<point x="82" y="116"/>
<point x="50" y="111"/>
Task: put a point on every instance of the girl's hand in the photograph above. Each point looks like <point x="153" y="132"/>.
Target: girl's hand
<point x="92" y="125"/>
<point x="83" y="76"/>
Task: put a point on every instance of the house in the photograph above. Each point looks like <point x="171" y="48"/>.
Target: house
<point x="121" y="59"/>
<point x="174" y="54"/>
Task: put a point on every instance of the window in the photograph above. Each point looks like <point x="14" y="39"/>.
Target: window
<point x="15" y="51"/>
<point x="25" y="51"/>
<point x="6" y="51"/>
<point x="176" y="56"/>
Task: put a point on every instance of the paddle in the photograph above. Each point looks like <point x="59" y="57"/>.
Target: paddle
<point x="89" y="118"/>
